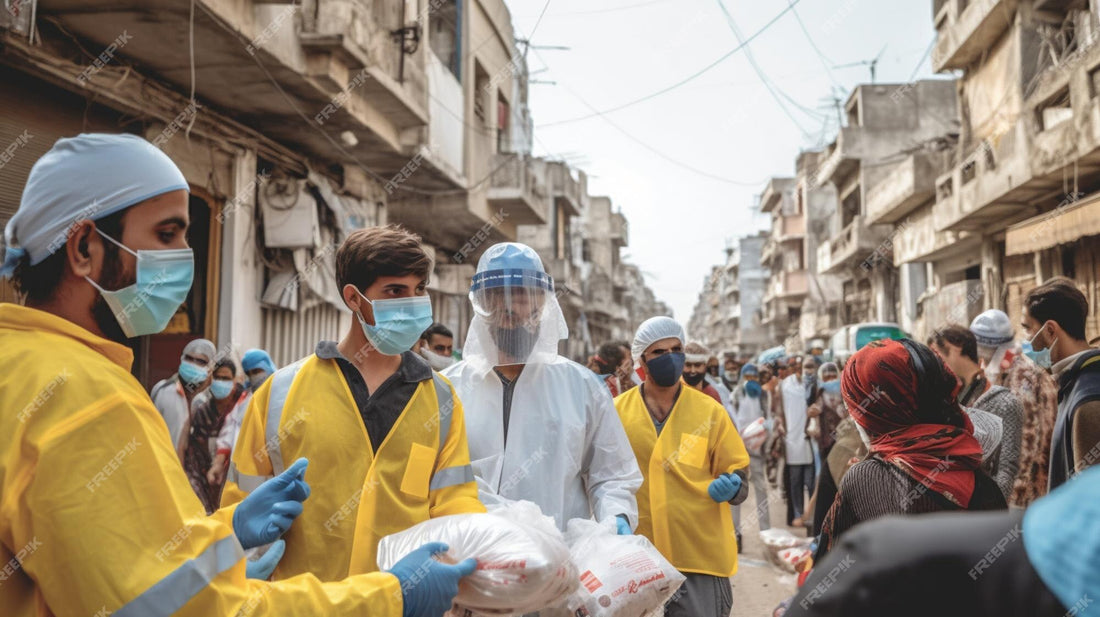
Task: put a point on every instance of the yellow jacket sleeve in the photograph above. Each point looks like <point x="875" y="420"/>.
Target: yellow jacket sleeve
<point x="107" y="523"/>
<point x="453" y="489"/>
<point x="728" y="453"/>
<point x="249" y="465"/>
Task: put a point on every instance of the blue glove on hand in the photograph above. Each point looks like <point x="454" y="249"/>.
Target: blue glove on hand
<point x="724" y="487"/>
<point x="428" y="586"/>
<point x="269" y="510"/>
<point x="622" y="526"/>
<point x="262" y="568"/>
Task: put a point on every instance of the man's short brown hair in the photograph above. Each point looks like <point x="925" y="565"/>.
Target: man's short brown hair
<point x="367" y="254"/>
<point x="1059" y="300"/>
<point x="959" y="336"/>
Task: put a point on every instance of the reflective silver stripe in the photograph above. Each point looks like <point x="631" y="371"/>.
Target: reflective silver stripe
<point x="170" y="593"/>
<point x="451" y="476"/>
<point x="280" y="388"/>
<point x="446" y="401"/>
<point x="244" y="481"/>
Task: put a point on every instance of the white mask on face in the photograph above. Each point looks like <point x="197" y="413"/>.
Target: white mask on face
<point x="864" y="436"/>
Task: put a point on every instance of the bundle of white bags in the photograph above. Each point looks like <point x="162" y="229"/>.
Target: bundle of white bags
<point x="526" y="565"/>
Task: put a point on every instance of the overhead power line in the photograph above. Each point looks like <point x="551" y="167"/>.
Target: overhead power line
<point x="683" y="81"/>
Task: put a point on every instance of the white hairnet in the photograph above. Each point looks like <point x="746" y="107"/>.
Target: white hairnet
<point x="202" y="347"/>
<point x="89" y="176"/>
<point x="511" y="280"/>
<point x="653" y="330"/>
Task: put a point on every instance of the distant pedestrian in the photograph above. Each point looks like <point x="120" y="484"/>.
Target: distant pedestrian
<point x="958" y="347"/>
<point x="173" y="396"/>
<point x="695" y="370"/>
<point x="209" y="411"/>
<point x="750" y="403"/>
<point x="606" y="363"/>
<point x="799" y="451"/>
<point x="1005" y="365"/>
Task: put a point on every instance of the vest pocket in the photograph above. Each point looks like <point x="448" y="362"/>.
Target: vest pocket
<point x="693" y="450"/>
<point x="418" y="471"/>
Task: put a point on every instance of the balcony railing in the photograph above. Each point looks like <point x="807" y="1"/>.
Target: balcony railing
<point x="968" y="28"/>
<point x="517" y="188"/>
<point x="856" y="244"/>
<point x="620" y="229"/>
<point x="909" y="184"/>
<point x="565" y="189"/>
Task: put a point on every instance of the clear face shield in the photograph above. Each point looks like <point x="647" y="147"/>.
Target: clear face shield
<point x="516" y="309"/>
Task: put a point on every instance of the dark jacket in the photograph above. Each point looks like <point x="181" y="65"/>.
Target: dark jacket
<point x="1078" y="386"/>
<point x="969" y="564"/>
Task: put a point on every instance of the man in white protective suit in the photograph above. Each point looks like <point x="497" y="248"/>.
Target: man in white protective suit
<point x="541" y="427"/>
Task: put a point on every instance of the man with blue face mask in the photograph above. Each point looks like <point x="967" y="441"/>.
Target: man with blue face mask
<point x="388" y="432"/>
<point x="694" y="464"/>
<point x="1054" y="317"/>
<point x="751" y="403"/>
<point x="173" y="396"/>
<point x="104" y="520"/>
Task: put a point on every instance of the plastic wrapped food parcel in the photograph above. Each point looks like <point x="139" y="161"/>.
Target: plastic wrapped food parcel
<point x="526" y="565"/>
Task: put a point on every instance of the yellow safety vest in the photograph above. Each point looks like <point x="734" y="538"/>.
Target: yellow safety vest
<point x="358" y="496"/>
<point x="96" y="514"/>
<point x="697" y="444"/>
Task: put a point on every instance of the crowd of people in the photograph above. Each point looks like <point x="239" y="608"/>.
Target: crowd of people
<point x="193" y="499"/>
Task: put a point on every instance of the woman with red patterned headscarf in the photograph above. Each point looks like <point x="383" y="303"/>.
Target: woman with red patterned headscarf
<point x="923" y="454"/>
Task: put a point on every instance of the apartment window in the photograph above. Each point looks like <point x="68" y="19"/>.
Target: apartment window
<point x="1094" y="82"/>
<point x="445" y="33"/>
<point x="1055" y="110"/>
<point x="503" y="123"/>
<point x="969" y="170"/>
<point x="850" y="208"/>
<point x="945" y="189"/>
<point x="990" y="157"/>
<point x="481" y="93"/>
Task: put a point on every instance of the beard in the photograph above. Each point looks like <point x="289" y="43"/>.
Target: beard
<point x="113" y="277"/>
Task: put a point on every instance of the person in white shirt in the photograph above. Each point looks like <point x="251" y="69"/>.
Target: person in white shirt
<point x="800" y="456"/>
<point x="750" y="403"/>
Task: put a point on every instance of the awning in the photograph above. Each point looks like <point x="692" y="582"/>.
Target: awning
<point x="1064" y="224"/>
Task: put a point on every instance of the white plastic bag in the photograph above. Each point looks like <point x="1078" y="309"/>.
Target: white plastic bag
<point x="784" y="549"/>
<point x="523" y="563"/>
<point x="621" y="576"/>
<point x="754" y="435"/>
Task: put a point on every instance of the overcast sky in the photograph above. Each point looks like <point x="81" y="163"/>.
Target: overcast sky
<point x="684" y="166"/>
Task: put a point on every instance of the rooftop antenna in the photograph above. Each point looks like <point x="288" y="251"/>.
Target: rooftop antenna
<point x="873" y="64"/>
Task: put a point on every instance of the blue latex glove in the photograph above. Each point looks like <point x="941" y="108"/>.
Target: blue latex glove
<point x="269" y="510"/>
<point x="724" y="487"/>
<point x="622" y="526"/>
<point x="428" y="586"/>
<point x="262" y="568"/>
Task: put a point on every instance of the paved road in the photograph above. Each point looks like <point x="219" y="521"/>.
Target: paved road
<point x="759" y="586"/>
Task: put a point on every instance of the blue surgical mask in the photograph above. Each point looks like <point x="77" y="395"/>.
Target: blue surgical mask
<point x="1041" y="357"/>
<point x="191" y="373"/>
<point x="398" y="323"/>
<point x="753" y="389"/>
<point x="221" y="388"/>
<point x="163" y="281"/>
<point x="665" y="369"/>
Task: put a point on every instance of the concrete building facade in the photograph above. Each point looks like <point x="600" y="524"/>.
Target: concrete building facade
<point x="296" y="124"/>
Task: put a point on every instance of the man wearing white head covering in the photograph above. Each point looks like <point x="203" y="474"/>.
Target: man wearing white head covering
<point x="694" y="464"/>
<point x="540" y="427"/>
<point x="103" y="518"/>
<point x="1005" y="365"/>
<point x="173" y="396"/>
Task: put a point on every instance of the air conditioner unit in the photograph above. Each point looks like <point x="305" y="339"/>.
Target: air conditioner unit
<point x="290" y="214"/>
